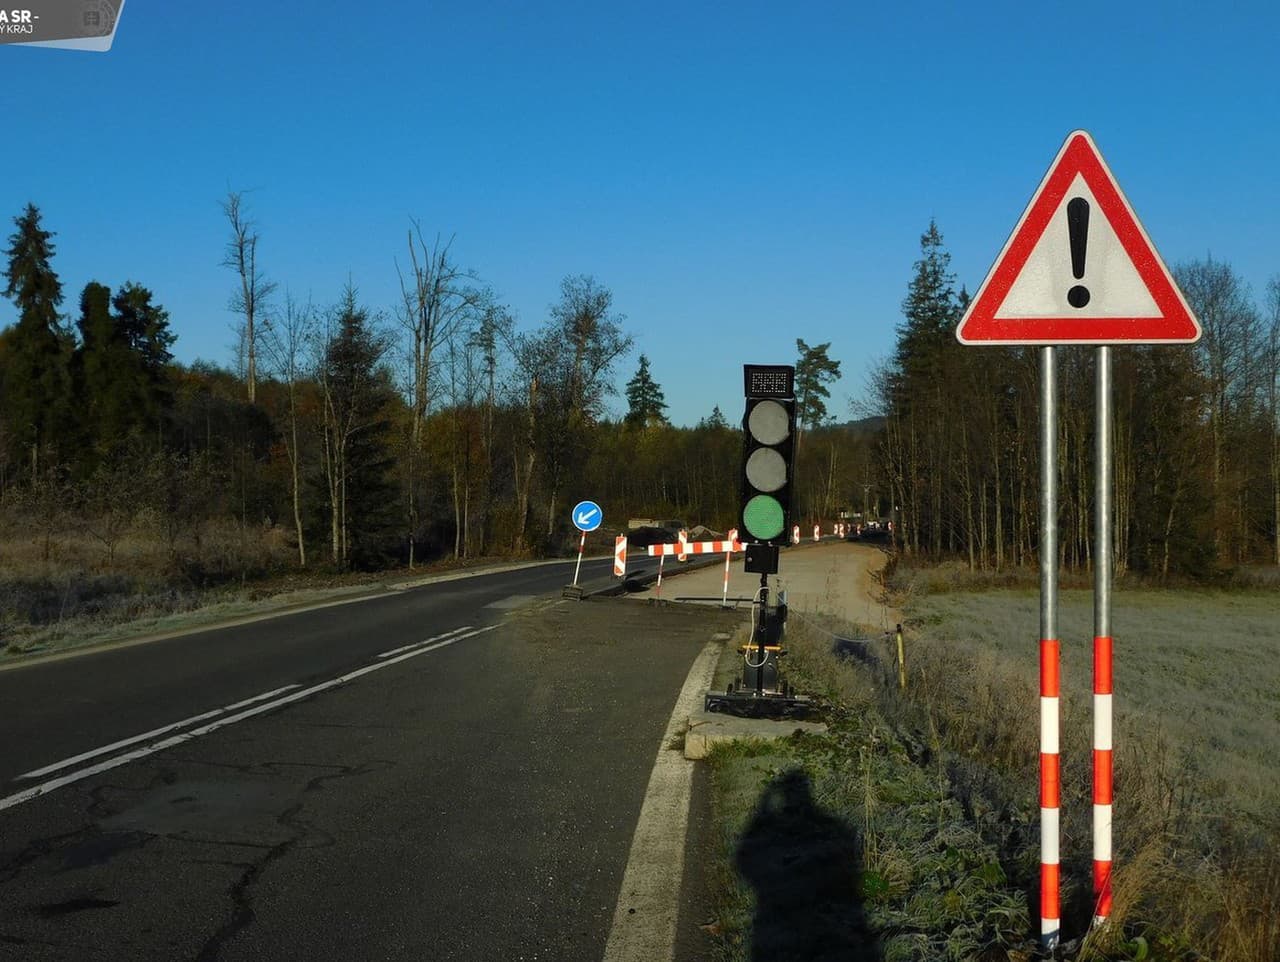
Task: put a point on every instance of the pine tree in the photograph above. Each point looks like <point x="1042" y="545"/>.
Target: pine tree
<point x="37" y="384"/>
<point x="645" y="401"/>
<point x="814" y="371"/>
<point x="716" y="420"/>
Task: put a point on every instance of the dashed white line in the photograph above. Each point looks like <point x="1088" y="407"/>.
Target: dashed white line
<point x="147" y="736"/>
<point x="416" y="644"/>
<point x="44" y="788"/>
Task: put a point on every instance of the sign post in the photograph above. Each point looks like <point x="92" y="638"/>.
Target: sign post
<point x="1077" y="269"/>
<point x="1102" y="567"/>
<point x="1050" y="760"/>
<point x="586" y="516"/>
<point x="728" y="556"/>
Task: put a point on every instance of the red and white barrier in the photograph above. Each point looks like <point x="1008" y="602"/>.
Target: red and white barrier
<point x="795" y="535"/>
<point x="683" y="549"/>
<point x="620" y="556"/>
<point x="817" y="533"/>
<point x="682" y="539"/>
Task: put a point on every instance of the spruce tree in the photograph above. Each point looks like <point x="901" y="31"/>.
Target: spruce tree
<point x="645" y="402"/>
<point x="120" y="367"/>
<point x="37" y="385"/>
<point x="358" y="393"/>
<point x="103" y="402"/>
<point x="144" y="330"/>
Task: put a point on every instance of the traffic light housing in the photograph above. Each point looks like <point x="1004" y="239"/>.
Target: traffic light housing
<point x="769" y="427"/>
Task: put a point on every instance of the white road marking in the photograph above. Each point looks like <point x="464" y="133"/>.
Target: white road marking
<point x="416" y="644"/>
<point x="146" y="736"/>
<point x="45" y="787"/>
<point x="644" y="923"/>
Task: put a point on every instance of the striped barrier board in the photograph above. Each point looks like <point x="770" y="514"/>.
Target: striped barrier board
<point x="695" y="547"/>
<point x="620" y="556"/>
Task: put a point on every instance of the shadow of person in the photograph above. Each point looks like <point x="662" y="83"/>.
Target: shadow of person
<point x="804" y="866"/>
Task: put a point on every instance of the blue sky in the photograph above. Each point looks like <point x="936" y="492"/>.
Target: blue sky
<point x="739" y="174"/>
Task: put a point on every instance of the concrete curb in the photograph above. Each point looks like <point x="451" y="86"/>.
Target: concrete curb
<point x="708" y="729"/>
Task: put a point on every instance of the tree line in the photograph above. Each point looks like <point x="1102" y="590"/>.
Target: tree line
<point x="1196" y="430"/>
<point x="360" y="437"/>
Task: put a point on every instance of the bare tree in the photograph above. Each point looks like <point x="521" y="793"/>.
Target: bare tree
<point x="437" y="297"/>
<point x="285" y="340"/>
<point x="250" y="300"/>
<point x="571" y="356"/>
<point x="1230" y="323"/>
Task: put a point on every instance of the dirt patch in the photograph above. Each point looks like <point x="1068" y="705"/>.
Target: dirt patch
<point x="834" y="579"/>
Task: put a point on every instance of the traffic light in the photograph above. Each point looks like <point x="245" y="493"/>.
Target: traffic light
<point x="769" y="438"/>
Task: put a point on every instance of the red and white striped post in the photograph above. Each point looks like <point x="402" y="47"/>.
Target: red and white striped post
<point x="728" y="556"/>
<point x="578" y="567"/>
<point x="1102" y="648"/>
<point x="620" y="556"/>
<point x="1050" y="761"/>
<point x="661" y="559"/>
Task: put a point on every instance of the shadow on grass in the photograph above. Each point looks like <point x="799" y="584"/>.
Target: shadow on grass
<point x="804" y="866"/>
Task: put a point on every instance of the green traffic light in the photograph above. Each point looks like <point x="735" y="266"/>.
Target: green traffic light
<point x="763" y="517"/>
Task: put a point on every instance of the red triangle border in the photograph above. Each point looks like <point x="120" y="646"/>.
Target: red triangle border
<point x="1079" y="155"/>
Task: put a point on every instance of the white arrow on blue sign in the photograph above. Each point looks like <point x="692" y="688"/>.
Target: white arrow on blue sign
<point x="587" y="516"/>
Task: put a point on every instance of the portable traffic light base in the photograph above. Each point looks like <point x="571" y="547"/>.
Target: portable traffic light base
<point x="762" y="692"/>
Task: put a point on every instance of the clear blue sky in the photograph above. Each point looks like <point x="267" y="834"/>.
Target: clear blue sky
<point x="740" y="174"/>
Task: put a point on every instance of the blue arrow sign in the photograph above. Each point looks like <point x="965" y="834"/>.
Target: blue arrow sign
<point x="587" y="516"/>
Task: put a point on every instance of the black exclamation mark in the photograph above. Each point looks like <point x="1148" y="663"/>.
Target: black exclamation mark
<point x="1078" y="229"/>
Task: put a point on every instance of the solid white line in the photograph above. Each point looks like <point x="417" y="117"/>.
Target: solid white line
<point x="45" y="787"/>
<point x="644" y="923"/>
<point x="145" y="736"/>
<point x="396" y="651"/>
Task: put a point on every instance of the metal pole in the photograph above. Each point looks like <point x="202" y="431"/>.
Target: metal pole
<point x="1102" y="682"/>
<point x="576" y="568"/>
<point x="762" y="633"/>
<point x="1050" y="769"/>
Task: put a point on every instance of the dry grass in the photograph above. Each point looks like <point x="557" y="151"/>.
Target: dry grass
<point x="1197" y="840"/>
<point x="70" y="584"/>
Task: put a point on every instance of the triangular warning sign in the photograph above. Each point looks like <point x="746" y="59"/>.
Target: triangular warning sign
<point x="1078" y="268"/>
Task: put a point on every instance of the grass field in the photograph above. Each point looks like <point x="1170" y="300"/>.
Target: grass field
<point x="936" y="786"/>
<point x="1203" y="667"/>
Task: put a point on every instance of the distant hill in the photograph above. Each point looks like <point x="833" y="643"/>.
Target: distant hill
<point x="859" y="427"/>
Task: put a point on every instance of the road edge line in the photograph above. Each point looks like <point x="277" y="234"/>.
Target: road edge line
<point x="648" y="909"/>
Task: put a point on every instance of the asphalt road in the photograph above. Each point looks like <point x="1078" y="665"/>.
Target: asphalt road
<point x="472" y="798"/>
